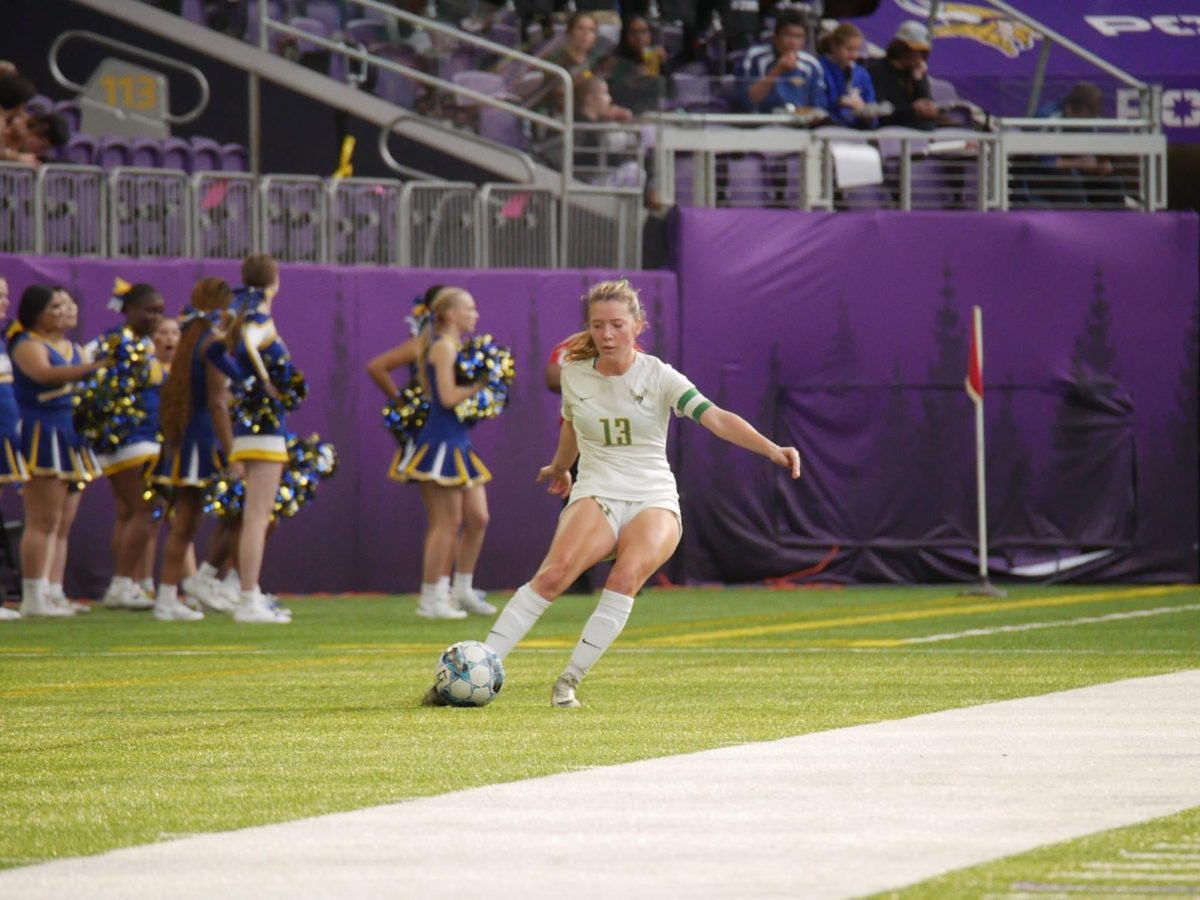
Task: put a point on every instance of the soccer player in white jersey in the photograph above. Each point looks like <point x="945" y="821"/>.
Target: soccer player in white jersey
<point x="616" y="406"/>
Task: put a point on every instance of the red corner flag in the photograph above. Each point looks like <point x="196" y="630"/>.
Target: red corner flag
<point x="975" y="359"/>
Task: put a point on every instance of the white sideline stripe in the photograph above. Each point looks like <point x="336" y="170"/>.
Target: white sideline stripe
<point x="1033" y="626"/>
<point x="833" y="814"/>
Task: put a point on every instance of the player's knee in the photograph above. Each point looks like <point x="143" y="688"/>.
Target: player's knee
<point x="551" y="580"/>
<point x="627" y="580"/>
<point x="476" y="519"/>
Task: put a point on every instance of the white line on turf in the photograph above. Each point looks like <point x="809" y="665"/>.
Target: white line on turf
<point x="1063" y="623"/>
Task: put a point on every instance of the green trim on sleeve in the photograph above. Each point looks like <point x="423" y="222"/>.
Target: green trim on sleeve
<point x="699" y="410"/>
<point x="686" y="399"/>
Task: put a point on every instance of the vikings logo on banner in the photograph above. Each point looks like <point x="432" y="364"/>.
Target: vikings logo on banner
<point x="976" y="23"/>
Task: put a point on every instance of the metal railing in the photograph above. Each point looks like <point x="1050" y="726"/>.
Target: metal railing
<point x="157" y="213"/>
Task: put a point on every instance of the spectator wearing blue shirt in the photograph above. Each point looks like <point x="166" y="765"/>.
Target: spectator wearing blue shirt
<point x="771" y="76"/>
<point x="850" y="91"/>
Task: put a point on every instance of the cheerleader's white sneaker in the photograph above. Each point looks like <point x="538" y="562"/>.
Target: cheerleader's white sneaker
<point x="472" y="602"/>
<point x="439" y="608"/>
<point x="210" y="593"/>
<point x="253" y="609"/>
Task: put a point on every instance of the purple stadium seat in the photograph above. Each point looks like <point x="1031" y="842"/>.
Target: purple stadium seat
<point x="193" y="11"/>
<point x="508" y="35"/>
<point x="175" y="153"/>
<point x="502" y="126"/>
<point x="463" y="59"/>
<point x="69" y="110"/>
<point x="206" y="155"/>
<point x="113" y="151"/>
<point x="80" y="149"/>
<point x="312" y="26"/>
<point x="365" y="31"/>
<point x="234" y="158"/>
<point x="394" y="86"/>
<point x="744" y="181"/>
<point x="484" y="82"/>
<point x="145" y="152"/>
<point x="327" y="13"/>
<point x="274" y="11"/>
<point x="691" y="91"/>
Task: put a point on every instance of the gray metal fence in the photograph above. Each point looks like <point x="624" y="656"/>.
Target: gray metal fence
<point x="518" y="227"/>
<point x="292" y="218"/>
<point x="225" y="211"/>
<point x="70" y="212"/>
<point x="364" y="221"/>
<point x="149" y="213"/>
<point x="439" y="225"/>
<point x="18" y="209"/>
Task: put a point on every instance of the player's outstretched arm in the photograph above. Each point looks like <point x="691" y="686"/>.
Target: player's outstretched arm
<point x="733" y="428"/>
<point x="559" y="470"/>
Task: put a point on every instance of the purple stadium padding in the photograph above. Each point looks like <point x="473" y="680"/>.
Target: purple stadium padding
<point x="364" y="532"/>
<point x="844" y="334"/>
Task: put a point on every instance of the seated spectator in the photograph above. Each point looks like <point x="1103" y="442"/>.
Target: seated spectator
<point x="901" y="78"/>
<point x="15" y="91"/>
<point x="600" y="156"/>
<point x="850" y="92"/>
<point x="578" y="56"/>
<point x="781" y="74"/>
<point x="636" y="71"/>
<point x="1082" y="180"/>
<point x="45" y="134"/>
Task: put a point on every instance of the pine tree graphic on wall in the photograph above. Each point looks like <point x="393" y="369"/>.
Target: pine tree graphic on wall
<point x="1010" y="479"/>
<point x="942" y="468"/>
<point x="1093" y="492"/>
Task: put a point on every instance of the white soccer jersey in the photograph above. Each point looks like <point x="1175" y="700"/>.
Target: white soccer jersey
<point x="621" y="425"/>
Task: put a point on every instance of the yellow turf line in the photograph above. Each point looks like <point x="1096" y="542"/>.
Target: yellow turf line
<point x="912" y="615"/>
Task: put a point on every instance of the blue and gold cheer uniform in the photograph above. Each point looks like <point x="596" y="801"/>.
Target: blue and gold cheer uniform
<point x="260" y="349"/>
<point x="140" y="447"/>
<point x="12" y="465"/>
<point x="198" y="459"/>
<point x="49" y="444"/>
<point x="441" y="452"/>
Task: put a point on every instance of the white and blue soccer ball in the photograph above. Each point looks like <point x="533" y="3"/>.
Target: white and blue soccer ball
<point x="469" y="674"/>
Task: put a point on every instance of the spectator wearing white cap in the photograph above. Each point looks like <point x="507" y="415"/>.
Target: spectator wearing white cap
<point x="901" y="78"/>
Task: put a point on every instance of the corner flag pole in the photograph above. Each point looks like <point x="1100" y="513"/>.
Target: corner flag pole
<point x="974" y="384"/>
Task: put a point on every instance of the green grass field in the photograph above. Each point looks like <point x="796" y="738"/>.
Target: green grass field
<point x="118" y="730"/>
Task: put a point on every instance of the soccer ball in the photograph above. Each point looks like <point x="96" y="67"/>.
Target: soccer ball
<point x="469" y="674"/>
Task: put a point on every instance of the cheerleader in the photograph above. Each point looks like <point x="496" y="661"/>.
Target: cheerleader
<point x="44" y="366"/>
<point x="441" y="458"/>
<point x="463" y="595"/>
<point x="262" y="447"/>
<point x="197" y="437"/>
<point x="59" y="549"/>
<point x="126" y="465"/>
<point x="12" y="466"/>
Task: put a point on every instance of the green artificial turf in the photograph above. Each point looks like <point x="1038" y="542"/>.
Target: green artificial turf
<point x="1155" y="858"/>
<point x="118" y="730"/>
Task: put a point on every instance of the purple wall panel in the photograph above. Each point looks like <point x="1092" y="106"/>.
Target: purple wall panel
<point x="364" y="532"/>
<point x="843" y="333"/>
<point x="847" y="334"/>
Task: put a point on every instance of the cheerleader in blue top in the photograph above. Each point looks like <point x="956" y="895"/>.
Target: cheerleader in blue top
<point x="12" y="466"/>
<point x="441" y="458"/>
<point x="127" y="463"/>
<point x="45" y="365"/>
<point x="464" y="598"/>
<point x="262" y="447"/>
<point x="197" y="435"/>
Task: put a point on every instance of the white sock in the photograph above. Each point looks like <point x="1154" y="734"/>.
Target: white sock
<point x="121" y="583"/>
<point x="54" y="590"/>
<point x="147" y="585"/>
<point x="233" y="579"/>
<point x="428" y="594"/>
<point x="612" y="612"/>
<point x="207" y="570"/>
<point x="168" y="595"/>
<point x="443" y="586"/>
<point x="31" y="588"/>
<point x="462" y="582"/>
<point x="519" y="615"/>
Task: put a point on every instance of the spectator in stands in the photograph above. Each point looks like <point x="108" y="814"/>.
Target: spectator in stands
<point x="45" y="134"/>
<point x="580" y="58"/>
<point x="636" y="71"/>
<point x="1083" y="180"/>
<point x="776" y="75"/>
<point x="901" y="78"/>
<point x="851" y="95"/>
<point x="15" y="91"/>
<point x="600" y="155"/>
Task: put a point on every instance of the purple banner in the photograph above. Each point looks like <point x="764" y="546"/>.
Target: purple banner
<point x="992" y="59"/>
<point x="364" y="532"/>
<point x="846" y="334"/>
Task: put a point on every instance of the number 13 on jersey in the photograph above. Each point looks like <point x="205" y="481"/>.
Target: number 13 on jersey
<point x="616" y="432"/>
